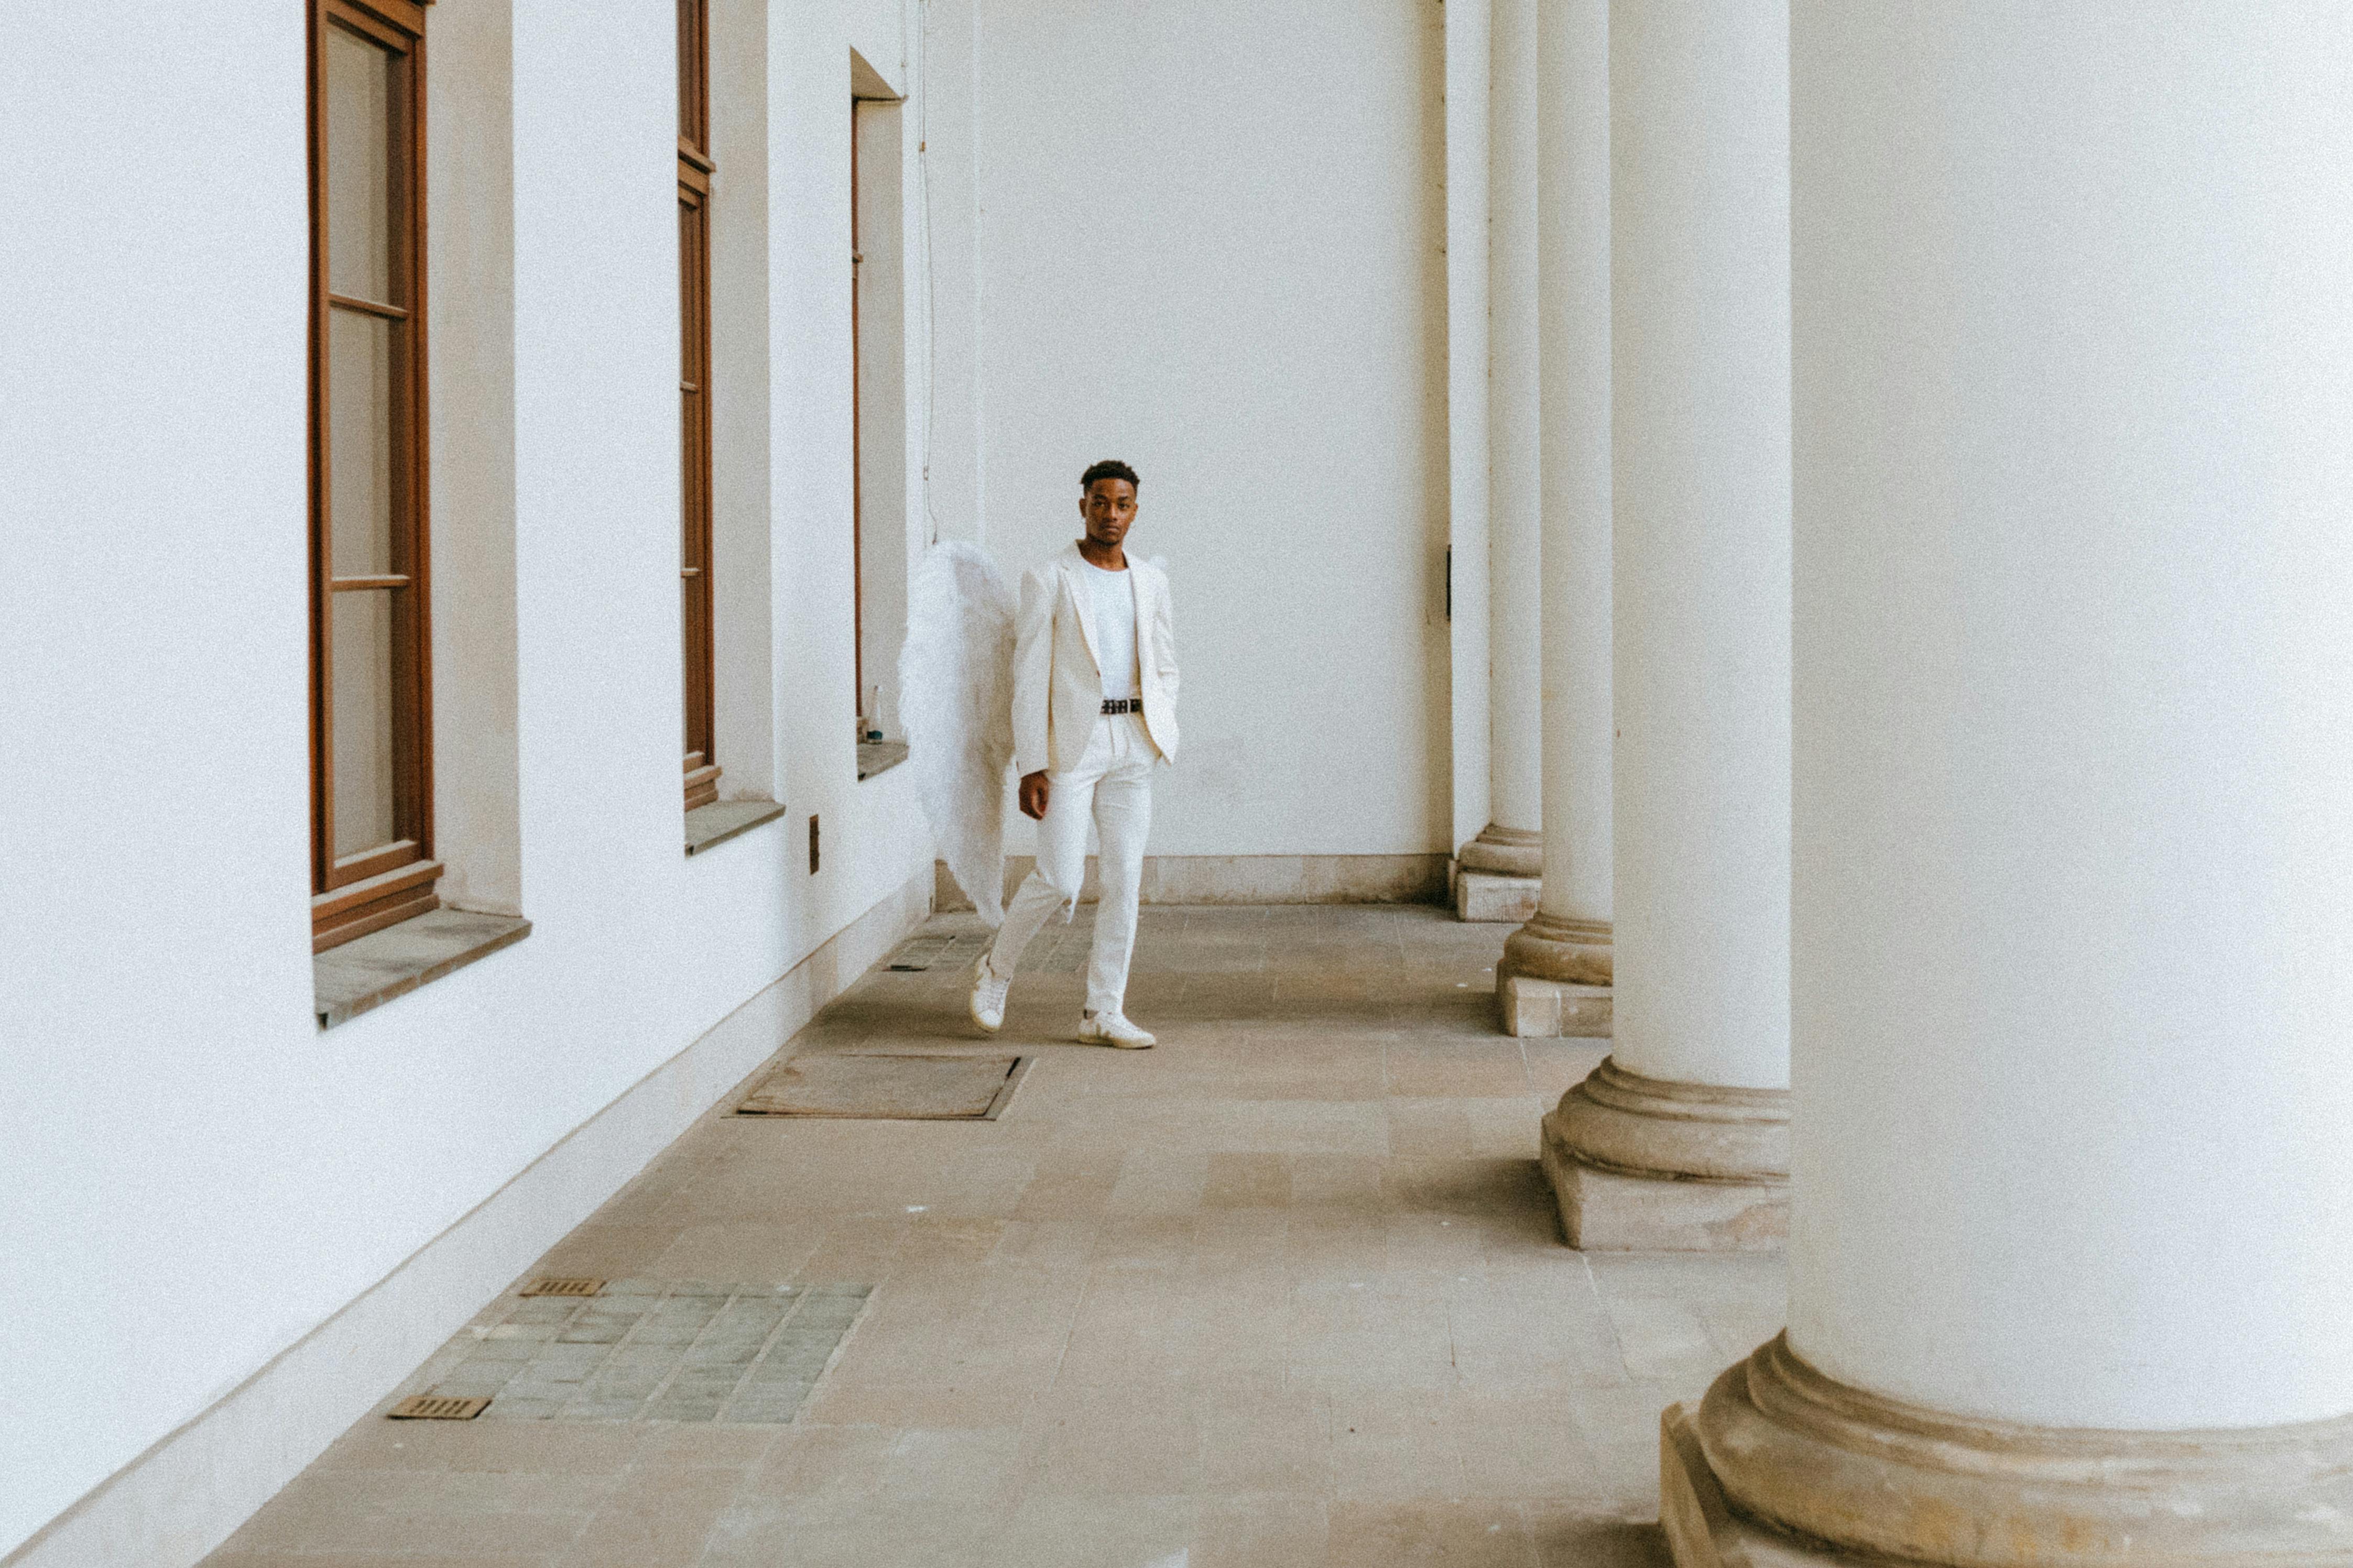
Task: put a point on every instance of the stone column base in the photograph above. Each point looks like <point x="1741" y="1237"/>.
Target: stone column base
<point x="1554" y="947"/>
<point x="1642" y="1165"/>
<point x="1610" y="1211"/>
<point x="1506" y="851"/>
<point x="1703" y="1532"/>
<point x="1782" y="1466"/>
<point x="1486" y="896"/>
<point x="1550" y="1009"/>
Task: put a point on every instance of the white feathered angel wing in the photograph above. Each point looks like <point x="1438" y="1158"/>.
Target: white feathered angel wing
<point x="956" y="698"/>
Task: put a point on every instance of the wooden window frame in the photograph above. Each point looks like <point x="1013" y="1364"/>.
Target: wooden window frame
<point x="694" y="171"/>
<point x="856" y="453"/>
<point x="354" y="894"/>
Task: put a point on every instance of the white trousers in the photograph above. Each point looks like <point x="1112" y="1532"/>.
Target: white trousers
<point x="1112" y="789"/>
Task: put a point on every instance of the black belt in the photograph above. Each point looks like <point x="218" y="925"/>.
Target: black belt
<point x="1122" y="705"/>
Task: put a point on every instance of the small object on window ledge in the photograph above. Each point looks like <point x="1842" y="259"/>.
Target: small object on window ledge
<point x="879" y="757"/>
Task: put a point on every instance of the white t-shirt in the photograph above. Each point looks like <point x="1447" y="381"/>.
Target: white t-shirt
<point x="1109" y="605"/>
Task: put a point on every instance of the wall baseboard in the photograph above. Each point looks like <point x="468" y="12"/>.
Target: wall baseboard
<point x="1253" y="879"/>
<point x="196" y="1485"/>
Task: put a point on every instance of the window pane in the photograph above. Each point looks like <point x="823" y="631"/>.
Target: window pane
<point x="359" y="442"/>
<point x="359" y="173"/>
<point x="362" y="719"/>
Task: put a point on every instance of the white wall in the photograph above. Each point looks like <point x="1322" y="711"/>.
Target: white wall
<point x="1227" y="267"/>
<point x="1208" y="239"/>
<point x="195" y="1175"/>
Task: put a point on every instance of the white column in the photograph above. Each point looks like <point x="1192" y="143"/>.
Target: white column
<point x="1511" y="843"/>
<point x="1556" y="969"/>
<point x="1680" y="1139"/>
<point x="2073" y="986"/>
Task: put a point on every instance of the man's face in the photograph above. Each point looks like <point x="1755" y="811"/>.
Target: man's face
<point x="1109" y="507"/>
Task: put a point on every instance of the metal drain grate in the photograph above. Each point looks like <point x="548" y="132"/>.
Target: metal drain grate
<point x="563" y="1287"/>
<point x="436" y="1407"/>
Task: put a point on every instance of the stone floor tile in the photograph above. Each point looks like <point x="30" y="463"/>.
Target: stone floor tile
<point x="1623" y="1417"/>
<point x="1515" y="1334"/>
<point x="484" y="1514"/>
<point x="1661" y="1339"/>
<point x="1254" y="1531"/>
<point x="1144" y="1241"/>
<point x="1246" y="1182"/>
<point x="1338" y="1182"/>
<point x="1157" y="1181"/>
<point x="1410" y="1534"/>
<point x="921" y="1535"/>
<point x="1428" y="1128"/>
<point x="979" y="1467"/>
<point x="1287" y="1290"/>
<point x="1712" y="1275"/>
<point x="1739" y="1327"/>
<point x="1567" y="1536"/>
<point x="1343" y="1245"/>
<point x="1389" y="1329"/>
<point x="1136" y="1438"/>
<point x="947" y="1398"/>
<point x="1523" y="1446"/>
<point x="1390" y="1446"/>
<point x="606" y="1251"/>
<point x="860" y="1247"/>
<point x="739" y="1448"/>
<point x="1059" y="1531"/>
<point x="1628" y="1471"/>
<point x="1267" y="1440"/>
<point x="822" y="1467"/>
<point x="1469" y="1186"/>
<point x="743" y="1250"/>
<point x="1239" y="1253"/>
<point x="231" y="1557"/>
<point x="1422" y="1242"/>
<point x="379" y="1445"/>
<point x="1555" y="1067"/>
<point x="654" y="1520"/>
<point x="1505" y="1128"/>
<point x="1044" y="1245"/>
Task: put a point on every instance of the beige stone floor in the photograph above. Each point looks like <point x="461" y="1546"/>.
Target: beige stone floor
<point x="1287" y="1290"/>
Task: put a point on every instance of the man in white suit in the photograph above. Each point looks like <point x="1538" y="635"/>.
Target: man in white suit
<point x="1094" y="706"/>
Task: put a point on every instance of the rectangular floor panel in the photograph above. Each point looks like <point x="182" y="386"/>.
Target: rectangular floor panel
<point x="884" y="1087"/>
<point x="651" y="1350"/>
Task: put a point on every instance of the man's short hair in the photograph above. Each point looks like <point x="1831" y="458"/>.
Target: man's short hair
<point x="1109" y="469"/>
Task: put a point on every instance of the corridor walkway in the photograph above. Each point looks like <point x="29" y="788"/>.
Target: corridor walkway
<point x="1287" y="1290"/>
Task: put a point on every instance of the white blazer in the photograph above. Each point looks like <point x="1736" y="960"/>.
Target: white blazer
<point x="1058" y="674"/>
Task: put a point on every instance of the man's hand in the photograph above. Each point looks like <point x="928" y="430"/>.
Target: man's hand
<point x="1035" y="788"/>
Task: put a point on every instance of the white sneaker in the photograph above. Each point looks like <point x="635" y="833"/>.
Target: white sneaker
<point x="989" y="1000"/>
<point x="1112" y="1029"/>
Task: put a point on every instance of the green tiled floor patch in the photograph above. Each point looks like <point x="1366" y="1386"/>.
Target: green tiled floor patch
<point x="659" y="1350"/>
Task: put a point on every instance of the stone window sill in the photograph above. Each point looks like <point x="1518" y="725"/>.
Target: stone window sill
<point x="879" y="757"/>
<point x="722" y="820"/>
<point x="368" y="972"/>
